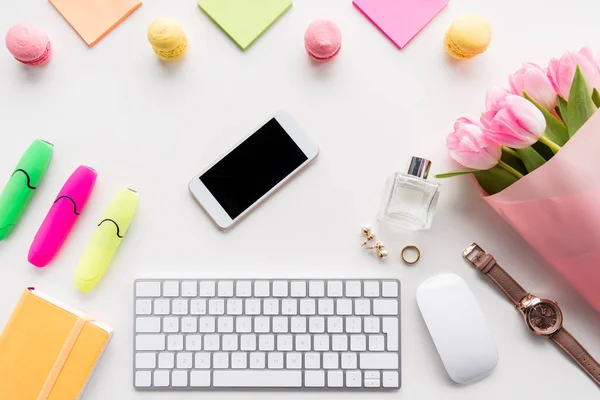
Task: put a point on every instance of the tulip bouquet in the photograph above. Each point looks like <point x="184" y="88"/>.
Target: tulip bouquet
<point x="534" y="152"/>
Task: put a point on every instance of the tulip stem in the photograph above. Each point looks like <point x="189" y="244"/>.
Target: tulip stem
<point x="553" y="146"/>
<point x="511" y="152"/>
<point x="510" y="169"/>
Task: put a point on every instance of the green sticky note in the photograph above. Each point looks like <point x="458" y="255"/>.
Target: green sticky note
<point x="244" y="20"/>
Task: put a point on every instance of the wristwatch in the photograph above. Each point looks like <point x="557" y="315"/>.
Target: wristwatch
<point x="542" y="316"/>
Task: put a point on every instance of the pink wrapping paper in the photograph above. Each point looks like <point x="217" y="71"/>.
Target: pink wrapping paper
<point x="556" y="209"/>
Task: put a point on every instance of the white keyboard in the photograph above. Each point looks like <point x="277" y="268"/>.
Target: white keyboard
<point x="206" y="334"/>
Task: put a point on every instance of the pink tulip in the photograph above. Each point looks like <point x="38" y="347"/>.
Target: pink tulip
<point x="512" y="121"/>
<point x="561" y="71"/>
<point x="470" y="147"/>
<point x="534" y="81"/>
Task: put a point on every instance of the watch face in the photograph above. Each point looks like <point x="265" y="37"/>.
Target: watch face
<point x="545" y="318"/>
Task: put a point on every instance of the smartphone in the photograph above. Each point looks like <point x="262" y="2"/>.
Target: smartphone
<point x="261" y="163"/>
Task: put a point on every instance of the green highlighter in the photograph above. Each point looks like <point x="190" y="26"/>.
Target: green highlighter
<point x="22" y="184"/>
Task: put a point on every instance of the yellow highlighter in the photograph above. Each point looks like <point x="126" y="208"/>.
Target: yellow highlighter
<point x="106" y="240"/>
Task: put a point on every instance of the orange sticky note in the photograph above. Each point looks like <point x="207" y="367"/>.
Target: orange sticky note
<point x="92" y="19"/>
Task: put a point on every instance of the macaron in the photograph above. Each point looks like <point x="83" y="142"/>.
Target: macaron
<point x="28" y="44"/>
<point x="323" y="40"/>
<point x="167" y="38"/>
<point x="468" y="36"/>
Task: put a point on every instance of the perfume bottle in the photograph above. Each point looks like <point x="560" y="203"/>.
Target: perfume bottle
<point x="409" y="199"/>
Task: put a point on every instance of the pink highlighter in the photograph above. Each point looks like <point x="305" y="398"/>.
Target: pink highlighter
<point x="63" y="214"/>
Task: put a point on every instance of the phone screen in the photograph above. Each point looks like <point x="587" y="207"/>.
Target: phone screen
<point x="253" y="168"/>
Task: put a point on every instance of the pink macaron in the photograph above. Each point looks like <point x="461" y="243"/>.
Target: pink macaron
<point x="28" y="44"/>
<point x="323" y="40"/>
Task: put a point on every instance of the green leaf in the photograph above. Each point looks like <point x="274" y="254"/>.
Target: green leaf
<point x="458" y="172"/>
<point x="580" y="107"/>
<point x="596" y="97"/>
<point x="531" y="158"/>
<point x="543" y="150"/>
<point x="561" y="109"/>
<point x="514" y="162"/>
<point x="494" y="180"/>
<point x="555" y="130"/>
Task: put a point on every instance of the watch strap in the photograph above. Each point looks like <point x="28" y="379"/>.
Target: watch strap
<point x="487" y="265"/>
<point x="575" y="350"/>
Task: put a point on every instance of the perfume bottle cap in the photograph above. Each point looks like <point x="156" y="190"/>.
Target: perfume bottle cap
<point x="419" y="167"/>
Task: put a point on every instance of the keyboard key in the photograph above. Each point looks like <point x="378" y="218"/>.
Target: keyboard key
<point x="221" y="360"/>
<point x="385" y="307"/>
<point x="262" y="325"/>
<point x="325" y="307"/>
<point x="170" y="289"/>
<point x="271" y="307"/>
<point x="372" y="375"/>
<point x="184" y="360"/>
<point x="330" y="360"/>
<point x="243" y="324"/>
<point x="249" y="378"/>
<point x="179" y="378"/>
<point x="362" y="307"/>
<point x="189" y="288"/>
<point x="162" y="307"/>
<point x="312" y="360"/>
<point x="280" y="324"/>
<point x="353" y="379"/>
<point x="198" y="307"/>
<point x="344" y="307"/>
<point x="371" y="325"/>
<point x="335" y="325"/>
<point x="316" y="289"/>
<point x="316" y="325"/>
<point x="206" y="325"/>
<point x="390" y="327"/>
<point x="303" y="342"/>
<point x="234" y="307"/>
<point x="379" y="361"/>
<point x="145" y="360"/>
<point x="161" y="378"/>
<point x="175" y="342"/>
<point x="150" y="342"/>
<point x="390" y="379"/>
<point x="211" y="342"/>
<point x="298" y="289"/>
<point x="280" y="289"/>
<point x="358" y="343"/>
<point x="143" y="378"/>
<point x="147" y="325"/>
<point x="289" y="307"/>
<point x="284" y="342"/>
<point x="293" y="360"/>
<point x="239" y="360"/>
<point x="339" y="342"/>
<point x="349" y="361"/>
<point x="207" y="289"/>
<point x="334" y="289"/>
<point x="275" y="361"/>
<point x="335" y="379"/>
<point x="143" y="307"/>
<point x="376" y="343"/>
<point x="298" y="325"/>
<point x="248" y="342"/>
<point x="193" y="342"/>
<point x="189" y="325"/>
<point x="243" y="289"/>
<point x="353" y="289"/>
<point x="314" y="378"/>
<point x="200" y="378"/>
<point x="225" y="289"/>
<point x="252" y="307"/>
<point x="389" y="289"/>
<point x="266" y="342"/>
<point x="202" y="360"/>
<point x="166" y="360"/>
<point x="216" y="306"/>
<point x="369" y="383"/>
<point x="230" y="342"/>
<point x="261" y="289"/>
<point x="257" y="360"/>
<point x="353" y="325"/>
<point x="147" y="289"/>
<point x="180" y="307"/>
<point x="307" y="307"/>
<point x="225" y="324"/>
<point x="321" y="342"/>
<point x="371" y="289"/>
<point x="170" y="324"/>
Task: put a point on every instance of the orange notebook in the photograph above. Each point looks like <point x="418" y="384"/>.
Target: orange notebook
<point x="48" y="351"/>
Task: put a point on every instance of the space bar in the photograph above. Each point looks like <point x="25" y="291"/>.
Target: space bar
<point x="247" y="378"/>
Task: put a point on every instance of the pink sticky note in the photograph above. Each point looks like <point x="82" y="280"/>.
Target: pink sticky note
<point x="400" y="20"/>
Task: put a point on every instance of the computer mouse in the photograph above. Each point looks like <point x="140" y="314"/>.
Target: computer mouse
<point x="458" y="328"/>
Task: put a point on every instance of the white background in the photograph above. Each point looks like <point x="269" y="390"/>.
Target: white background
<point x="151" y="126"/>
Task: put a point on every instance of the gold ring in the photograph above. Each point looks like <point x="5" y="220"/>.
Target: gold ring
<point x="410" y="247"/>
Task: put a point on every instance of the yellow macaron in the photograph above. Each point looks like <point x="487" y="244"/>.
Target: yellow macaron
<point x="468" y="36"/>
<point x="167" y="38"/>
